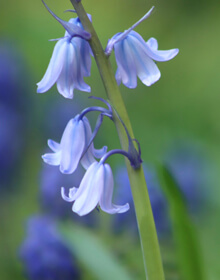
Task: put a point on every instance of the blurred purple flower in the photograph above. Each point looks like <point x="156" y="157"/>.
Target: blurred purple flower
<point x="127" y="221"/>
<point x="44" y="254"/>
<point x="188" y="166"/>
<point x="13" y="112"/>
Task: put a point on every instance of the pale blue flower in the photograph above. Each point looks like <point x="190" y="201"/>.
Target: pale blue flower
<point x="69" y="64"/>
<point x="135" y="57"/>
<point x="96" y="189"/>
<point x="69" y="152"/>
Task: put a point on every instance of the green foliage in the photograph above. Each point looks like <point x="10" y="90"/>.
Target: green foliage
<point x="189" y="255"/>
<point x="93" y="254"/>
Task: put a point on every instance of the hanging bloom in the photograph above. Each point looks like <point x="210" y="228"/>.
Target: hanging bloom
<point x="134" y="56"/>
<point x="96" y="189"/>
<point x="70" y="62"/>
<point x="75" y="139"/>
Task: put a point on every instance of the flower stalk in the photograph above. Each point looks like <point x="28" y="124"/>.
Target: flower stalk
<point x="146" y="226"/>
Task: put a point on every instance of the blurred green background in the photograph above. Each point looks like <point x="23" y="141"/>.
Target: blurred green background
<point x="183" y="106"/>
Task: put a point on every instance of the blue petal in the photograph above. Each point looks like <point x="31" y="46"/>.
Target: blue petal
<point x="88" y="158"/>
<point x="151" y="48"/>
<point x="126" y="64"/>
<point x="106" y="196"/>
<point x="52" y="158"/>
<point x="72" y="145"/>
<point x="55" y="147"/>
<point x="88" y="194"/>
<point x="147" y="70"/>
<point x="98" y="153"/>
<point x="54" y="68"/>
<point x="79" y="68"/>
<point x="72" y="192"/>
<point x="159" y="55"/>
<point x="65" y="84"/>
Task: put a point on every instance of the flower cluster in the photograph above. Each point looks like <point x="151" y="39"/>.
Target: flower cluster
<point x="71" y="59"/>
<point x="70" y="63"/>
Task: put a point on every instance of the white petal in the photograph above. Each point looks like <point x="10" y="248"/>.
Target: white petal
<point x="55" y="147"/>
<point x="126" y="65"/>
<point x="90" y="189"/>
<point x="106" y="197"/>
<point x="54" y="68"/>
<point x="72" y="145"/>
<point x="52" y="158"/>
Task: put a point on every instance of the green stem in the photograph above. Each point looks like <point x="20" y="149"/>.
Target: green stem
<point x="146" y="226"/>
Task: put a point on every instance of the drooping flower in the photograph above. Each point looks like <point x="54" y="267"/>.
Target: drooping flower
<point x="70" y="62"/>
<point x="69" y="152"/>
<point x="135" y="57"/>
<point x="44" y="253"/>
<point x="96" y="189"/>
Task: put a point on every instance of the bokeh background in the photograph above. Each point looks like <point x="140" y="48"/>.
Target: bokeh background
<point x="176" y="119"/>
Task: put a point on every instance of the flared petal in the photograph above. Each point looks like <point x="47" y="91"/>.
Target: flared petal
<point x="126" y="64"/>
<point x="52" y="158"/>
<point x="159" y="55"/>
<point x="98" y="153"/>
<point x="106" y="196"/>
<point x="90" y="189"/>
<point x="146" y="68"/>
<point x="72" y="145"/>
<point x="54" y="68"/>
<point x="70" y="197"/>
<point x="151" y="48"/>
<point x="55" y="147"/>
<point x="65" y="83"/>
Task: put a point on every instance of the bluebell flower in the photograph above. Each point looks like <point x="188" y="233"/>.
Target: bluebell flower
<point x="70" y="62"/>
<point x="135" y="57"/>
<point x="127" y="221"/>
<point x="45" y="254"/>
<point x="69" y="152"/>
<point x="96" y="189"/>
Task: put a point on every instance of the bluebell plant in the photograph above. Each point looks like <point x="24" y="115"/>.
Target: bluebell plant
<point x="70" y="63"/>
